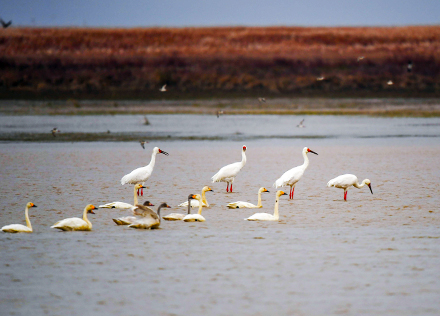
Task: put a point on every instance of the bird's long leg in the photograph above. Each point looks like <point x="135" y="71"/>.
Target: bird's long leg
<point x="345" y="195"/>
<point x="227" y="187"/>
<point x="142" y="192"/>
<point x="231" y="188"/>
<point x="138" y="192"/>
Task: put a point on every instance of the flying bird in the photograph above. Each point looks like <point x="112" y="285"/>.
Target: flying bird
<point x="54" y="131"/>
<point x="219" y="112"/>
<point x="146" y="121"/>
<point x="409" y="66"/>
<point x="4" y="24"/>
<point x="360" y="58"/>
<point x="301" y="125"/>
<point x="143" y="142"/>
<point x="163" y="89"/>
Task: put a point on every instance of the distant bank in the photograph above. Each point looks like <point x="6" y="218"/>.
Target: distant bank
<point x="214" y="63"/>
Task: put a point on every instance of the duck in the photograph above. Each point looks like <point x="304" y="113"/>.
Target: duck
<point x="127" y="220"/>
<point x="179" y="216"/>
<point x="75" y="223"/>
<point x="141" y="175"/>
<point x="123" y="205"/>
<point x="195" y="203"/>
<point x="149" y="219"/>
<point x="195" y="217"/>
<point x="266" y="216"/>
<point x="229" y="172"/>
<point x="19" y="228"/>
<point x="241" y="204"/>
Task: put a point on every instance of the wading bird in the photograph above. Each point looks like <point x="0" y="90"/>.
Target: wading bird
<point x="347" y="180"/>
<point x="228" y="173"/>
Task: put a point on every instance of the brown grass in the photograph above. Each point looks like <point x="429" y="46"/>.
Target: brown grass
<point x="111" y="63"/>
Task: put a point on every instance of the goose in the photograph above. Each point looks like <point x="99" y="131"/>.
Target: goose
<point x="292" y="176"/>
<point x="75" y="223"/>
<point x="18" y="228"/>
<point x="122" y="205"/>
<point x="266" y="216"/>
<point x="195" y="203"/>
<point x="141" y="175"/>
<point x="127" y="220"/>
<point x="149" y="220"/>
<point x="347" y="180"/>
<point x="179" y="216"/>
<point x="195" y="217"/>
<point x="241" y="204"/>
<point x="228" y="173"/>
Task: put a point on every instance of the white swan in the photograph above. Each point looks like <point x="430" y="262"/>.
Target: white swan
<point x="75" y="223"/>
<point x="292" y="176"/>
<point x="347" y="180"/>
<point x="241" y="204"/>
<point x="127" y="220"/>
<point x="228" y="173"/>
<point x="141" y="175"/>
<point x="195" y="217"/>
<point x="195" y="203"/>
<point x="123" y="205"/>
<point x="149" y="220"/>
<point x="18" y="228"/>
<point x="266" y="216"/>
<point x="179" y="216"/>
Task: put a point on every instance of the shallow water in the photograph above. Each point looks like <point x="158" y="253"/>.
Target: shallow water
<point x="374" y="254"/>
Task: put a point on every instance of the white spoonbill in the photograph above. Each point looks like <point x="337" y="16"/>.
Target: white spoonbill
<point x="228" y="173"/>
<point x="141" y="175"/>
<point x="74" y="223"/>
<point x="18" y="228"/>
<point x="123" y="205"/>
<point x="179" y="216"/>
<point x="150" y="219"/>
<point x="292" y="176"/>
<point x="195" y="217"/>
<point x="266" y="216"/>
<point x="136" y="210"/>
<point x="195" y="203"/>
<point x="347" y="180"/>
<point x="241" y="204"/>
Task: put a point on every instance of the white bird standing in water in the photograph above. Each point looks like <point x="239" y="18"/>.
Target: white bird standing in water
<point x="141" y="175"/>
<point x="347" y="180"/>
<point x="292" y="176"/>
<point x="228" y="173"/>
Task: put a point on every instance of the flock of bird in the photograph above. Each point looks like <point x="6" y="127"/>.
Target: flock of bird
<point x="143" y="217"/>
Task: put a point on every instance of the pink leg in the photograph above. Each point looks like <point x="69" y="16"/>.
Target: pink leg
<point x="138" y="192"/>
<point x="231" y="187"/>
<point x="345" y="195"/>
<point x="293" y="191"/>
<point x="142" y="191"/>
<point x="227" y="187"/>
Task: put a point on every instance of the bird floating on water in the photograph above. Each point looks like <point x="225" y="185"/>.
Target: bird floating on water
<point x="390" y="83"/>
<point x="241" y="204"/>
<point x="149" y="219"/>
<point x="164" y="88"/>
<point x="262" y="100"/>
<point x="360" y="58"/>
<point x="19" y="228"/>
<point x="347" y="180"/>
<point x="266" y="216"/>
<point x="54" y="131"/>
<point x="320" y="78"/>
<point x="194" y="202"/>
<point x="229" y="172"/>
<point x="146" y="121"/>
<point x="292" y="176"/>
<point x="75" y="223"/>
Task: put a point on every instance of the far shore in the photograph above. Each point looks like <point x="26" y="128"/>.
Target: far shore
<point x="388" y="107"/>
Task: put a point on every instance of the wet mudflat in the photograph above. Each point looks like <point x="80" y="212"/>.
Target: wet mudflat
<point x="372" y="255"/>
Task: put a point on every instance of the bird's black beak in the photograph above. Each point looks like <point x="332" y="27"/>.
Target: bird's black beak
<point x="164" y="152"/>
<point x="34" y="205"/>
<point x="370" y="188"/>
<point x="313" y="152"/>
<point x="284" y="193"/>
<point x="212" y="190"/>
<point x="267" y="191"/>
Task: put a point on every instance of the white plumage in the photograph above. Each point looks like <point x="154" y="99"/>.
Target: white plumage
<point x="141" y="175"/>
<point x="266" y="216"/>
<point x="74" y="223"/>
<point x="149" y="219"/>
<point x="292" y="176"/>
<point x="228" y="173"/>
<point x="195" y="217"/>
<point x="241" y="204"/>
<point x="136" y="210"/>
<point x="347" y="180"/>
<point x="19" y="228"/>
<point x="196" y="203"/>
<point x="123" y="205"/>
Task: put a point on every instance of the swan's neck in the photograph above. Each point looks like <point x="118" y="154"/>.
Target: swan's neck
<point x="153" y="160"/>
<point x="26" y="215"/>
<point x="357" y="185"/>
<point x="85" y="217"/>
<point x="275" y="212"/>
<point x="200" y="207"/>
<point x="158" y="211"/>
<point x="135" y="197"/>
<point x="189" y="206"/>
<point x="306" y="160"/>
<point x="259" y="199"/>
<point x="204" y="198"/>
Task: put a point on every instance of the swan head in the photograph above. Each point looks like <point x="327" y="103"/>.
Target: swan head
<point x="197" y="197"/>
<point x="244" y="148"/>
<point x="164" y="205"/>
<point x="191" y="196"/>
<point x="368" y="182"/>
<point x="279" y="193"/>
<point x="90" y="208"/>
<point x="206" y="188"/>
<point x="148" y="203"/>
<point x="139" y="186"/>
<point x="30" y="204"/>
<point x="262" y="189"/>
<point x="308" y="150"/>
<point x="160" y="151"/>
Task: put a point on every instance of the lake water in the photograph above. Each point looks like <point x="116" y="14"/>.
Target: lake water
<point x="372" y="255"/>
